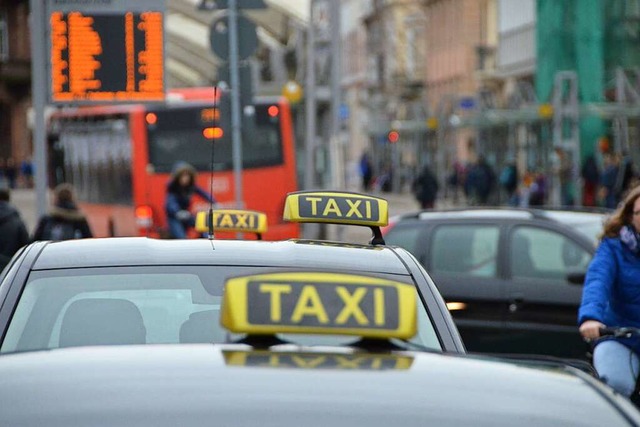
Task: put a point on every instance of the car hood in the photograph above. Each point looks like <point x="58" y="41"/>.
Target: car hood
<point x="232" y="385"/>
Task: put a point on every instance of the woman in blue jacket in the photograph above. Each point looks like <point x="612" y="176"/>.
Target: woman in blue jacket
<point x="611" y="296"/>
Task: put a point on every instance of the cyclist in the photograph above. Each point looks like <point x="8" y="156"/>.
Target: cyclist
<point x="180" y="190"/>
<point x="611" y="296"/>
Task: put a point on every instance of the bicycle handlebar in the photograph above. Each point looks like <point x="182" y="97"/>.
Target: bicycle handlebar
<point x="619" y="332"/>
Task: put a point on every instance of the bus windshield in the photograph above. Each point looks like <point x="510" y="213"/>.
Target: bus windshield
<point x="178" y="132"/>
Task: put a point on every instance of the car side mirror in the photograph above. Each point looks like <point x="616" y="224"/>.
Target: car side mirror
<point x="576" y="277"/>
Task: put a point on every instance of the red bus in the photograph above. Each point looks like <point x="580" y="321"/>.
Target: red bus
<point x="120" y="157"/>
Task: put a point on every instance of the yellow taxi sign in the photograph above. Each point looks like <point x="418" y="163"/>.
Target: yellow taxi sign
<point x="336" y="208"/>
<point x="319" y="303"/>
<point x="232" y="220"/>
<point x="317" y="360"/>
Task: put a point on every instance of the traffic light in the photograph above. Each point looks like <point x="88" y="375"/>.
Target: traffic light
<point x="393" y="136"/>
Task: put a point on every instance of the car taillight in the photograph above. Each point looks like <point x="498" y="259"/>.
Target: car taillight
<point x="144" y="217"/>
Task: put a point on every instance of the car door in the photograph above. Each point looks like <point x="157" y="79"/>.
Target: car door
<point x="543" y="304"/>
<point x="463" y="260"/>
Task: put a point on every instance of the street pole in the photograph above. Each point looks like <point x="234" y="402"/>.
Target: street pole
<point x="334" y="165"/>
<point x="310" y="105"/>
<point x="235" y="102"/>
<point x="38" y="90"/>
<point x="310" y="230"/>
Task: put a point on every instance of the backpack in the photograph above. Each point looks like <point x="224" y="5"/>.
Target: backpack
<point x="61" y="230"/>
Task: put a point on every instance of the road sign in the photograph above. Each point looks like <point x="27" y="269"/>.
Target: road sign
<point x="219" y="37"/>
<point x="245" y="81"/>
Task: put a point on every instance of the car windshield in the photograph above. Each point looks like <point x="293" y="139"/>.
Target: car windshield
<point x="143" y="305"/>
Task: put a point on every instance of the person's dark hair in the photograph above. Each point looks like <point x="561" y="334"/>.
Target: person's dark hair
<point x="64" y="196"/>
<point x="622" y="215"/>
<point x="5" y="193"/>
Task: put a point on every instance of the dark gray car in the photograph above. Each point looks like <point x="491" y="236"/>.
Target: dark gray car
<point x="511" y="277"/>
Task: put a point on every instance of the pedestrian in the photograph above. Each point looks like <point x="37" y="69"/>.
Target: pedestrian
<point x="26" y="170"/>
<point x="425" y="188"/>
<point x="591" y="177"/>
<point x="564" y="171"/>
<point x="180" y="190"/>
<point x="611" y="296"/>
<point x="64" y="221"/>
<point x="11" y="172"/>
<point x="13" y="233"/>
<point x="480" y="182"/>
<point x="608" y="193"/>
<point x="509" y="182"/>
<point x="538" y="190"/>
<point x="366" y="171"/>
<point x="384" y="181"/>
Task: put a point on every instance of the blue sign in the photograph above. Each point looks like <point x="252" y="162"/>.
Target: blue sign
<point x="343" y="112"/>
<point x="467" y="103"/>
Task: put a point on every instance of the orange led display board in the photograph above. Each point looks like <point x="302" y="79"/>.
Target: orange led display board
<point x="115" y="57"/>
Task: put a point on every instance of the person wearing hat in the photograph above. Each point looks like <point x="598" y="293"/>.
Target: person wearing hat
<point x="180" y="190"/>
<point x="64" y="221"/>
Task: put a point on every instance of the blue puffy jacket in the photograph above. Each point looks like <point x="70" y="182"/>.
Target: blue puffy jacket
<point x="611" y="293"/>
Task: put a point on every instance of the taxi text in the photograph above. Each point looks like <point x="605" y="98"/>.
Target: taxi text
<point x="322" y="304"/>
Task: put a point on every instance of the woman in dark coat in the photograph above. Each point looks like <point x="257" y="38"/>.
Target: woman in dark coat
<point x="64" y="221"/>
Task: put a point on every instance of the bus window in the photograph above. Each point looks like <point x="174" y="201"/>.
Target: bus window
<point x="177" y="133"/>
<point x="97" y="159"/>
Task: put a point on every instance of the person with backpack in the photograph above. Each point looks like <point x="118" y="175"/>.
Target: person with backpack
<point x="64" y="221"/>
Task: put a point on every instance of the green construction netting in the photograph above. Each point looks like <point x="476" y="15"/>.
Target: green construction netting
<point x="593" y="38"/>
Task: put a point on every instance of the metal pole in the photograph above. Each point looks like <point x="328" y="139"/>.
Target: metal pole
<point x="39" y="89"/>
<point x="236" y="125"/>
<point x="310" y="105"/>
<point x="335" y="93"/>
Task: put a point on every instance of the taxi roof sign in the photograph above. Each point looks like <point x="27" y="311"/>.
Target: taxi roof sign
<point x="336" y="208"/>
<point x="238" y="220"/>
<point x="319" y="303"/>
<point x="317" y="360"/>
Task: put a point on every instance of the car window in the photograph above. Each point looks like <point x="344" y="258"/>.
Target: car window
<point x="545" y="254"/>
<point x="142" y="305"/>
<point x="468" y="249"/>
<point x="405" y="236"/>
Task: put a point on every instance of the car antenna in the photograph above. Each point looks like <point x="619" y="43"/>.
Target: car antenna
<point x="216" y="112"/>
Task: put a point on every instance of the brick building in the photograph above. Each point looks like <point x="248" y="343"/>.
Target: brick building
<point x="15" y="80"/>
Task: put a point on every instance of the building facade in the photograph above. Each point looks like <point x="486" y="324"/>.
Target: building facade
<point x="15" y="80"/>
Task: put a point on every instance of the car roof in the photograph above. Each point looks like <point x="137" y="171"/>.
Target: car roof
<point x="136" y="251"/>
<point x="199" y="385"/>
<point x="562" y="215"/>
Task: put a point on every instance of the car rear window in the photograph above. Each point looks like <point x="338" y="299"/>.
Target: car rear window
<point x="142" y="305"/>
